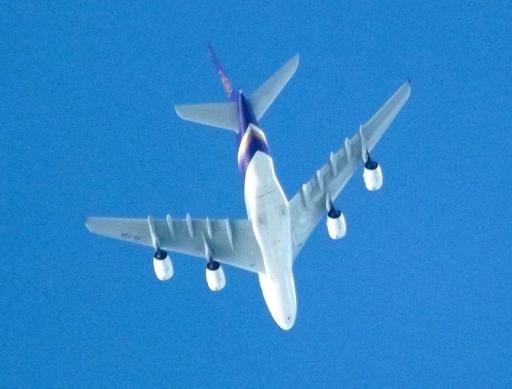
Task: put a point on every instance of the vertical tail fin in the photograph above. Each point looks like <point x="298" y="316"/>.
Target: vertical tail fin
<point x="226" y="84"/>
<point x="220" y="115"/>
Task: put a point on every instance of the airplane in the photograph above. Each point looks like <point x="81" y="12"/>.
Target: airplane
<point x="276" y="228"/>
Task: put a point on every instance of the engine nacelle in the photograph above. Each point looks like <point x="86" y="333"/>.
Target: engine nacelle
<point x="372" y="175"/>
<point x="336" y="224"/>
<point x="163" y="266"/>
<point x="215" y="276"/>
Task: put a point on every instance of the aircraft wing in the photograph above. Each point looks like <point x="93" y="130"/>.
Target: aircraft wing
<point x="309" y="204"/>
<point x="230" y="241"/>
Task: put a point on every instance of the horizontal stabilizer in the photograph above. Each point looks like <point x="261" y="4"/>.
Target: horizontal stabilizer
<point x="264" y="96"/>
<point x="220" y="115"/>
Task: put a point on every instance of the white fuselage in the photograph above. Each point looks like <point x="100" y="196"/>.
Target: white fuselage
<point x="268" y="211"/>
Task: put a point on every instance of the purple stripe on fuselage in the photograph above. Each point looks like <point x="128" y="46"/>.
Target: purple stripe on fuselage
<point x="254" y="142"/>
<point x="245" y="115"/>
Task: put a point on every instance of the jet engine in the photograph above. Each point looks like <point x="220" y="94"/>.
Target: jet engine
<point x="215" y="276"/>
<point x="372" y="175"/>
<point x="162" y="265"/>
<point x="336" y="224"/>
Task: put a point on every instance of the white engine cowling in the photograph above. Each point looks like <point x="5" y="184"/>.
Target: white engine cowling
<point x="163" y="268"/>
<point x="215" y="279"/>
<point x="373" y="179"/>
<point x="336" y="226"/>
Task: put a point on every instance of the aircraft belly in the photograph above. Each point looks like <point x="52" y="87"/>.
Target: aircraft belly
<point x="269" y="213"/>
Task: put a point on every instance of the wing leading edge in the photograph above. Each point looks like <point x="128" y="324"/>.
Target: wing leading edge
<point x="309" y="204"/>
<point x="230" y="241"/>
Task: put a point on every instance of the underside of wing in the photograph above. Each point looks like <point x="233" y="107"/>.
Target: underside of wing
<point x="230" y="241"/>
<point x="309" y="204"/>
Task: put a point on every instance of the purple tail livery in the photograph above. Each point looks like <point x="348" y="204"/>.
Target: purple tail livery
<point x="241" y="112"/>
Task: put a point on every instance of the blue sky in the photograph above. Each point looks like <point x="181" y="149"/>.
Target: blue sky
<point x="417" y="295"/>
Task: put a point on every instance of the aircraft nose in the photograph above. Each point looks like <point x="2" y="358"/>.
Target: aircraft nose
<point x="286" y="322"/>
<point x="281" y="299"/>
